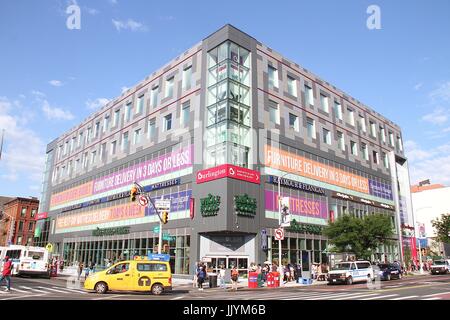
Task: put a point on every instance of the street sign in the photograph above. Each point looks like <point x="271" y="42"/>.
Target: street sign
<point x="162" y="205"/>
<point x="159" y="257"/>
<point x="156" y="229"/>
<point x="143" y="201"/>
<point x="285" y="214"/>
<point x="49" y="247"/>
<point x="279" y="234"/>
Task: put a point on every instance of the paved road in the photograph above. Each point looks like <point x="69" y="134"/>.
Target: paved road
<point x="410" y="288"/>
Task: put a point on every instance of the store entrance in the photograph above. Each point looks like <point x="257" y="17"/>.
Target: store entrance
<point x="229" y="262"/>
<point x="306" y="263"/>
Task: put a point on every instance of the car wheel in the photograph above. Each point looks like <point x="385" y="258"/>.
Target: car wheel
<point x="388" y="277"/>
<point x="350" y="280"/>
<point x="157" y="289"/>
<point x="101" y="288"/>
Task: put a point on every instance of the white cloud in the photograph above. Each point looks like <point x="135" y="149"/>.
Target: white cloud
<point x="55" y="112"/>
<point x="418" y="86"/>
<point x="441" y="94"/>
<point x="23" y="151"/>
<point x="130" y="24"/>
<point x="55" y="83"/>
<point x="114" y="2"/>
<point x="432" y="163"/>
<point x="37" y="94"/>
<point x="97" y="103"/>
<point x="438" y="116"/>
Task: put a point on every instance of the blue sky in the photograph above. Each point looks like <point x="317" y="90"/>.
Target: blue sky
<point x="51" y="77"/>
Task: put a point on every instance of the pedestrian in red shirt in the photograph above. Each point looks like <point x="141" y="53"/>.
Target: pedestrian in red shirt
<point x="6" y="273"/>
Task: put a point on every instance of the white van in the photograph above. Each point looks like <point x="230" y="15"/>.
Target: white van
<point x="441" y="266"/>
<point x="351" y="271"/>
<point x="27" y="260"/>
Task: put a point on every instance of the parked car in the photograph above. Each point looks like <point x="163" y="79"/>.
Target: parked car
<point x="440" y="266"/>
<point x="389" y="271"/>
<point x="351" y="271"/>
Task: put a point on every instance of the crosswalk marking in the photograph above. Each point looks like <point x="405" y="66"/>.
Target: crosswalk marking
<point x="404" y="298"/>
<point x="435" y="294"/>
<point x="60" y="291"/>
<point x="19" y="290"/>
<point x="356" y="297"/>
<point x="73" y="290"/>
<point x="432" y="299"/>
<point x="381" y="297"/>
<point x="327" y="297"/>
<point x="33" y="289"/>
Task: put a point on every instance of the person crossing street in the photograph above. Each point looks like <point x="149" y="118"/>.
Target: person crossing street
<point x="6" y="273"/>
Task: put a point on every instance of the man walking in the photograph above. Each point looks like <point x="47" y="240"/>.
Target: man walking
<point x="6" y="273"/>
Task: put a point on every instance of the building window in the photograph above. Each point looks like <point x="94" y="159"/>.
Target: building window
<point x="373" y="130"/>
<point x="293" y="122"/>
<point x="338" y="110"/>
<point x="85" y="162"/>
<point x="274" y="112"/>
<point x="103" y="150"/>
<point x="97" y="128"/>
<point x="89" y="135"/>
<point x="69" y="167"/>
<point x="362" y="123"/>
<point x="23" y="213"/>
<point x="399" y="144"/>
<point x="168" y="122"/>
<point x="311" y="128"/>
<point x="77" y="165"/>
<point x="113" y="147"/>
<point x="185" y="112"/>
<point x="382" y="134"/>
<point x="125" y="141"/>
<point x="324" y="103"/>
<point x="341" y="140"/>
<point x="154" y="96"/>
<point x="187" y="78"/>
<point x="30" y="226"/>
<point x="326" y="136"/>
<point x="140" y="104"/>
<point x="169" y="87"/>
<point x="151" y="128"/>
<point x="365" y="151"/>
<point x="72" y="144"/>
<point x="65" y="147"/>
<point x="292" y="86"/>
<point x="33" y="212"/>
<point x="19" y="240"/>
<point x="386" y="160"/>
<point x="354" y="148"/>
<point x="93" y="156"/>
<point x="375" y="157"/>
<point x="309" y="95"/>
<point x="106" y="124"/>
<point x="80" y="139"/>
<point x="273" y="77"/>
<point x="137" y="136"/>
<point x="128" y="112"/>
<point x="20" y="226"/>
<point x="116" y="117"/>
<point x="391" y="139"/>
<point x="351" y="117"/>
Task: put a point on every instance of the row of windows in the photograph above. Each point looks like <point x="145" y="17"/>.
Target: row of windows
<point x="23" y="212"/>
<point x="22" y="223"/>
<point x="294" y="124"/>
<point x="28" y="243"/>
<point x="325" y="107"/>
<point x="93" y="133"/>
<point x="85" y="160"/>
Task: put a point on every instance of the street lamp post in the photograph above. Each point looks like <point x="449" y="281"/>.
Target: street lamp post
<point x="280" y="268"/>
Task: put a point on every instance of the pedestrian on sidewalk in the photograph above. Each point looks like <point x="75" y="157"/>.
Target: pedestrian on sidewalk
<point x="234" y="278"/>
<point x="6" y="273"/>
<point x="222" y="277"/>
<point x="195" y="280"/>
<point x="86" y="272"/>
<point x="80" y="269"/>
<point x="201" y="277"/>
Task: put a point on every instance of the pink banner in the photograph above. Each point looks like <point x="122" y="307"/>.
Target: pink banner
<point x="164" y="164"/>
<point x="79" y="192"/>
<point x="230" y="171"/>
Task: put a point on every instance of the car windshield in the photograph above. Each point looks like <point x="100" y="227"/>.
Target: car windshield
<point x="439" y="262"/>
<point x="342" y="266"/>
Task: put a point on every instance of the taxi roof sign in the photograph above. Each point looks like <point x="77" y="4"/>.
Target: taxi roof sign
<point x="159" y="257"/>
<point x="140" y="258"/>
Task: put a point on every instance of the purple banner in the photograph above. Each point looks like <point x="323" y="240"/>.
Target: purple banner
<point x="299" y="206"/>
<point x="173" y="161"/>
<point x="179" y="202"/>
<point x="381" y="190"/>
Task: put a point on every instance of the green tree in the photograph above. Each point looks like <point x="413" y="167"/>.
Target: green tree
<point x="361" y="236"/>
<point x="442" y="228"/>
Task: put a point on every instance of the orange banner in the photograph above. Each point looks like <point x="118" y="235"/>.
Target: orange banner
<point x="120" y="212"/>
<point x="290" y="162"/>
<point x="79" y="192"/>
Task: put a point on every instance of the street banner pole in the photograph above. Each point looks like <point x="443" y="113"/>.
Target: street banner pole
<point x="160" y="234"/>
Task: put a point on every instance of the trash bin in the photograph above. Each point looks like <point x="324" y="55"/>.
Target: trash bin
<point x="212" y="280"/>
<point x="252" y="279"/>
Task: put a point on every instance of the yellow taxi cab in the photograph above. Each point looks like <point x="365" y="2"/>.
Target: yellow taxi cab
<point x="140" y="274"/>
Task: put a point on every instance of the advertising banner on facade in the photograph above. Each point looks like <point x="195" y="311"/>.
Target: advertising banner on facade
<point x="174" y="161"/>
<point x="230" y="171"/>
<point x="298" y="205"/>
<point x="79" y="192"/>
<point x="179" y="201"/>
<point x="290" y="162"/>
<point x="379" y="189"/>
<point x="41" y="215"/>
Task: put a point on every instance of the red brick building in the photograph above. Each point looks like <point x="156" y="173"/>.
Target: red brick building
<point x="18" y="221"/>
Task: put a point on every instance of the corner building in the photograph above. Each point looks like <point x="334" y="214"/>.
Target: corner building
<point x="213" y="131"/>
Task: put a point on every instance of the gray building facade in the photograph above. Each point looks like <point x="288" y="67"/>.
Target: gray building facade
<point x="213" y="131"/>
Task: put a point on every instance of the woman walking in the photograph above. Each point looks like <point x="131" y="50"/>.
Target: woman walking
<point x="234" y="278"/>
<point x="201" y="277"/>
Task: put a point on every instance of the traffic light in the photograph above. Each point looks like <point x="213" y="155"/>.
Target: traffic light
<point x="165" y="217"/>
<point x="133" y="193"/>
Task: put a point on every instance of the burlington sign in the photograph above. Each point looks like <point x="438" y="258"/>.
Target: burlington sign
<point x="228" y="171"/>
